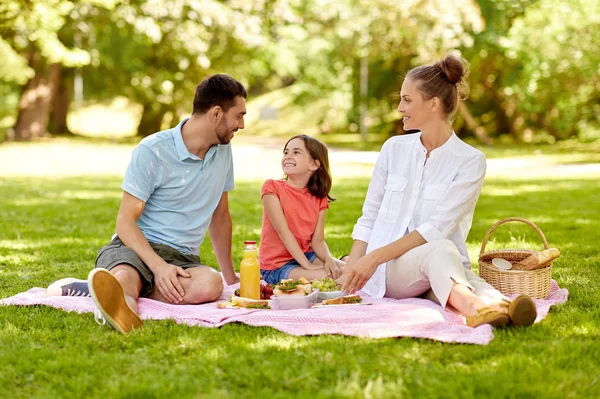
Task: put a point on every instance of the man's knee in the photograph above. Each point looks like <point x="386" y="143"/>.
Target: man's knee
<point x="206" y="285"/>
<point x="128" y="276"/>
<point x="125" y="272"/>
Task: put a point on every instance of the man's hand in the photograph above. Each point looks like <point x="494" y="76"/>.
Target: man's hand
<point x="167" y="282"/>
<point x="357" y="274"/>
<point x="332" y="268"/>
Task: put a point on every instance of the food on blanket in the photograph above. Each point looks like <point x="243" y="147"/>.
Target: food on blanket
<point x="291" y="287"/>
<point x="326" y="284"/>
<point x="266" y="291"/>
<point x="254" y="305"/>
<point x="237" y="302"/>
<point x="343" y="300"/>
<point x="538" y="260"/>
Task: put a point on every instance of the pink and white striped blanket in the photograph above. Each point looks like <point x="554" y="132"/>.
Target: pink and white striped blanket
<point x="385" y="318"/>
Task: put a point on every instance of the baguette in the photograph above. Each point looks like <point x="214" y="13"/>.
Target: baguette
<point x="343" y="300"/>
<point x="538" y="260"/>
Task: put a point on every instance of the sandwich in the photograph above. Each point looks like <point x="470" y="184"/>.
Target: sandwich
<point x="254" y="305"/>
<point x="343" y="300"/>
<point x="236" y="302"/>
<point x="290" y="287"/>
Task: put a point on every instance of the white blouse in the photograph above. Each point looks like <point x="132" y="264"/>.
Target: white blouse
<point x="437" y="198"/>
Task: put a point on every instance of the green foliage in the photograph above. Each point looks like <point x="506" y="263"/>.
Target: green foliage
<point x="155" y="52"/>
<point x="558" y="81"/>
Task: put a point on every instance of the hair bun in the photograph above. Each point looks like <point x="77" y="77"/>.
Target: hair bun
<point x="452" y="67"/>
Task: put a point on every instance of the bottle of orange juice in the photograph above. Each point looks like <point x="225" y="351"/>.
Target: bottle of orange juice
<point x="250" y="272"/>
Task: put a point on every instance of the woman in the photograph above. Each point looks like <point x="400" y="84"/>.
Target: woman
<point x="410" y="239"/>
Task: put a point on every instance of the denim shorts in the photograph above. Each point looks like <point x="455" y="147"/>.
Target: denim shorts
<point x="275" y="276"/>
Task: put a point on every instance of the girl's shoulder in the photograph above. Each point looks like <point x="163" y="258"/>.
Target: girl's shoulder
<point x="272" y="186"/>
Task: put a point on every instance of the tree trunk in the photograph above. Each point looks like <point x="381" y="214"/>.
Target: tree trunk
<point x="34" y="105"/>
<point x="60" y="104"/>
<point x="364" y="85"/>
<point x="478" y="130"/>
<point x="151" y="122"/>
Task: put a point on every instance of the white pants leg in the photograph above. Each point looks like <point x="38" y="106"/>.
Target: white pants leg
<point x="483" y="289"/>
<point x="437" y="266"/>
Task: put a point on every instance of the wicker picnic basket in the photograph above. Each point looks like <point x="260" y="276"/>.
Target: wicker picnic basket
<point x="535" y="283"/>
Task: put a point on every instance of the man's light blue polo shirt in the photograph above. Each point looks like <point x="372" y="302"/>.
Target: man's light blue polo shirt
<point x="181" y="190"/>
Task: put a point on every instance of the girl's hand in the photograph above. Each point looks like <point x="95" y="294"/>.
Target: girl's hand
<point x="332" y="268"/>
<point x="357" y="274"/>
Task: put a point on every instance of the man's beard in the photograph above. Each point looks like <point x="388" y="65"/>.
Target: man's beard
<point x="223" y="133"/>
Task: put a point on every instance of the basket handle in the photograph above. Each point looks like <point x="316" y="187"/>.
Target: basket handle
<point x="513" y="219"/>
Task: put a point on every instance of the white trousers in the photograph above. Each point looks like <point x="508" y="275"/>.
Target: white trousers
<point x="437" y="266"/>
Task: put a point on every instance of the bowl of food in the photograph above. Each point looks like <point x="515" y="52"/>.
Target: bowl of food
<point x="328" y="288"/>
<point x="294" y="294"/>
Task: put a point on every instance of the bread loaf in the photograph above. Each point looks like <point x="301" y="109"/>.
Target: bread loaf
<point x="538" y="259"/>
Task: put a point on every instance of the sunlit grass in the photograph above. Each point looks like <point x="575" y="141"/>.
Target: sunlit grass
<point x="51" y="227"/>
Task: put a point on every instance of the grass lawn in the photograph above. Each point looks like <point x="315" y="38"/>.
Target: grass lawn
<point x="51" y="228"/>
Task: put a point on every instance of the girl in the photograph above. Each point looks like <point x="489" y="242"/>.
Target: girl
<point x="292" y="238"/>
<point x="410" y="239"/>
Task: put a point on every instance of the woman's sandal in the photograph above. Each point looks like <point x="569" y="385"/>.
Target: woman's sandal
<point x="488" y="316"/>
<point x="521" y="310"/>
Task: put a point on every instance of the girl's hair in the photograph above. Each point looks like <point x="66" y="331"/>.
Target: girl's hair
<point x="444" y="80"/>
<point x="319" y="183"/>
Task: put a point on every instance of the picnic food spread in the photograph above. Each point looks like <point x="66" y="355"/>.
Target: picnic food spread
<point x="291" y="294"/>
<point x="247" y="303"/>
<point x="266" y="291"/>
<point x="291" y="287"/>
<point x="326" y="284"/>
<point x="343" y="300"/>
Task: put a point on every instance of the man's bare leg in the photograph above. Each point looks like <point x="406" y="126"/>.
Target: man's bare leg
<point x="204" y="285"/>
<point x="131" y="281"/>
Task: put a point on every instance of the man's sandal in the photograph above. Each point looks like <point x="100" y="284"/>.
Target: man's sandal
<point x="521" y="310"/>
<point x="488" y="316"/>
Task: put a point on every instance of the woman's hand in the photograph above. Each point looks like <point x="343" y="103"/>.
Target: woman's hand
<point x="167" y="282"/>
<point x="358" y="273"/>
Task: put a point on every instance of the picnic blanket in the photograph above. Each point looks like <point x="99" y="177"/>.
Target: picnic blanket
<point x="385" y="318"/>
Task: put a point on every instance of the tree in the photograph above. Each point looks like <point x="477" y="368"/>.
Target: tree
<point x="556" y="90"/>
<point x="31" y="31"/>
<point x="156" y="58"/>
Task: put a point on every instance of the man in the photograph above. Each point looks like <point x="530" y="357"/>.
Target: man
<point x="175" y="188"/>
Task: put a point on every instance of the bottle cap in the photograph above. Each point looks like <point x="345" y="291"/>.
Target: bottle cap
<point x="249" y="242"/>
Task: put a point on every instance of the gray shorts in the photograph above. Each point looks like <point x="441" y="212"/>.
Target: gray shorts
<point x="116" y="253"/>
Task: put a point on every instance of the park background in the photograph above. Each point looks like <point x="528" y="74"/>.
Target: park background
<point x="82" y="82"/>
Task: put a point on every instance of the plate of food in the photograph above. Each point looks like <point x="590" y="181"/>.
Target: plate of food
<point x="266" y="291"/>
<point x="346" y="300"/>
<point x="294" y="294"/>
<point x="328" y="288"/>
<point x="237" y="302"/>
